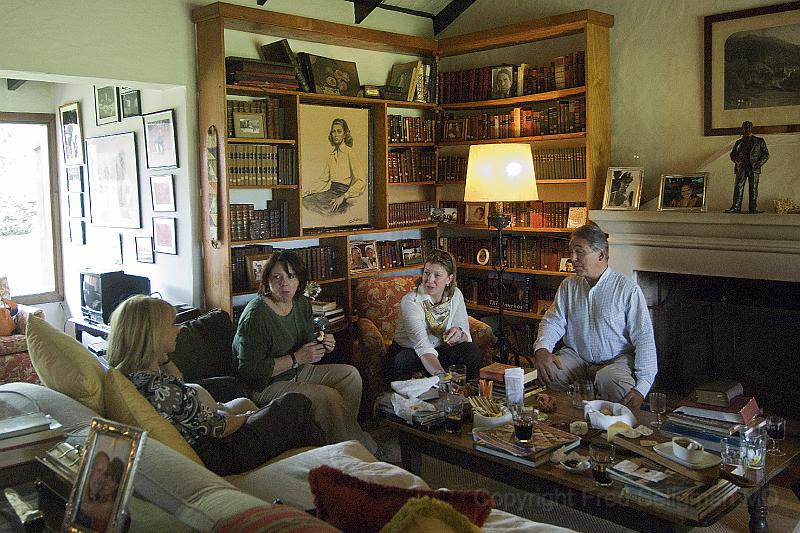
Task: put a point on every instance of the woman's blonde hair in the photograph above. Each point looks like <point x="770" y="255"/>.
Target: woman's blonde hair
<point x="137" y="326"/>
<point x="448" y="262"/>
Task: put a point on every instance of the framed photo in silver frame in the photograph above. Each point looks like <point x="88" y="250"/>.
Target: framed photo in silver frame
<point x="623" y="188"/>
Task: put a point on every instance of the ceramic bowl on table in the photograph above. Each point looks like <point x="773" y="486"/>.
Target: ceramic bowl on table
<point x="687" y="449"/>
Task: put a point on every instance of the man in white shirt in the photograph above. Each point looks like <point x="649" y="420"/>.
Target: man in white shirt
<point x="603" y="320"/>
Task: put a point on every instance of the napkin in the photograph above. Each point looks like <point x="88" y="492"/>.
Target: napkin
<point x="405" y="407"/>
<point x="620" y="413"/>
<point x="411" y="388"/>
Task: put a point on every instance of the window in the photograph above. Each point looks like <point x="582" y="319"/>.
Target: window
<point x="30" y="242"/>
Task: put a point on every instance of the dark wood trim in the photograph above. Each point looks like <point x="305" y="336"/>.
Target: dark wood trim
<point x="449" y="14"/>
<point x="13" y="85"/>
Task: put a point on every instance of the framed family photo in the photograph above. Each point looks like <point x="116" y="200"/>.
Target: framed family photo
<point x="130" y="102"/>
<point x="113" y="181"/>
<point x="160" y="139"/>
<point x="255" y="268"/>
<point x="454" y="129"/>
<point x="363" y="256"/>
<point x="106" y="104"/>
<point x="750" y="70"/>
<point x="165" y="240"/>
<point x="683" y="192"/>
<point x="335" y="155"/>
<point x="162" y="192"/>
<point x="98" y="501"/>
<point x="71" y="133"/>
<point x="249" y="125"/>
<point x="476" y="214"/>
<point x="144" y="250"/>
<point x="623" y="188"/>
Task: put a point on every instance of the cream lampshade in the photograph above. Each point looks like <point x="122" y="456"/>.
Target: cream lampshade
<point x="500" y="173"/>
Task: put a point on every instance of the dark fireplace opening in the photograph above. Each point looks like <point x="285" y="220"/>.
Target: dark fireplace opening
<point x="709" y="327"/>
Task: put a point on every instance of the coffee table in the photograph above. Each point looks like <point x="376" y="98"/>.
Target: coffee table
<point x="578" y="490"/>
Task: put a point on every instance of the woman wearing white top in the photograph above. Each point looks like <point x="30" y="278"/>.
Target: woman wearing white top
<point x="433" y="330"/>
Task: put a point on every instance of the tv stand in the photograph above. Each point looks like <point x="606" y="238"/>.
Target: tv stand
<point x="184" y="312"/>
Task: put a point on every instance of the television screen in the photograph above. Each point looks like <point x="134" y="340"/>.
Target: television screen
<point x="102" y="292"/>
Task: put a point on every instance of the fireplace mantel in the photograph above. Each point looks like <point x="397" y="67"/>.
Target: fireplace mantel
<point x="763" y="246"/>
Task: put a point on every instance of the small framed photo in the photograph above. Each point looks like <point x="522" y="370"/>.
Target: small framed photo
<point x="623" y="188"/>
<point x="454" y="129"/>
<point x="249" y="125"/>
<point x="77" y="232"/>
<point x="75" y="179"/>
<point x="683" y="192"/>
<point x="98" y="501"/>
<point x="130" y="102"/>
<point x="160" y="139"/>
<point x="165" y="240"/>
<point x="412" y="255"/>
<point x="255" y="268"/>
<point x="162" y="192"/>
<point x="483" y="256"/>
<point x="71" y="133"/>
<point x="144" y="250"/>
<point x="363" y="256"/>
<point x="503" y="82"/>
<point x="476" y="214"/>
<point x="106" y="104"/>
<point x="75" y="205"/>
<point x="446" y="215"/>
<point x="565" y="265"/>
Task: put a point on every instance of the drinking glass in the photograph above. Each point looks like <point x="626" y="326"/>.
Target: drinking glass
<point x="522" y="415"/>
<point x="754" y="446"/>
<point x="580" y="390"/>
<point x="453" y="413"/>
<point x="458" y="378"/>
<point x="321" y="324"/>
<point x="776" y="431"/>
<point x="730" y="451"/>
<point x="603" y="455"/>
<point x="658" y="405"/>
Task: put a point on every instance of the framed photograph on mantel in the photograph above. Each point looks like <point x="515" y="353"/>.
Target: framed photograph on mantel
<point x="683" y="192"/>
<point x="335" y="154"/>
<point x="751" y="70"/>
<point x="623" y="188"/>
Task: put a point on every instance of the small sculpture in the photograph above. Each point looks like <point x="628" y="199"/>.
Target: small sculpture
<point x="748" y="155"/>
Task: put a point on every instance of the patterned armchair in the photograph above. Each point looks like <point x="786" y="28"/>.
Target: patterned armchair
<point x="15" y="364"/>
<point x="376" y="302"/>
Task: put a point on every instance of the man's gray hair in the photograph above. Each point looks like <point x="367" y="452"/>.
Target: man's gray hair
<point x="594" y="236"/>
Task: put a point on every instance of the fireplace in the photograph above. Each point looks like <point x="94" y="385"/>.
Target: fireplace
<point x="724" y="294"/>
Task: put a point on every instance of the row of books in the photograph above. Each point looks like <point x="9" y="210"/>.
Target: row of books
<point x="538" y="214"/>
<point x="477" y="84"/>
<point x="408" y="166"/>
<point x="520" y="251"/>
<point x="331" y="310"/>
<point x="452" y="168"/>
<point x="410" y="213"/>
<point x="242" y="217"/>
<point x="270" y="107"/>
<point x="403" y="252"/>
<point x="560" y="163"/>
<point x="521" y="292"/>
<point x="411" y="129"/>
<point x="263" y="165"/>
<point x="251" y="72"/>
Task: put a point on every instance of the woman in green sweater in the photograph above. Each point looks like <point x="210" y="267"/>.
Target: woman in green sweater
<point x="276" y="346"/>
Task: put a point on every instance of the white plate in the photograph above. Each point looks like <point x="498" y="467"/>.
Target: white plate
<point x="707" y="460"/>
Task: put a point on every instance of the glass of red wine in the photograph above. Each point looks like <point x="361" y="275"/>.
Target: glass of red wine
<point x="776" y="431"/>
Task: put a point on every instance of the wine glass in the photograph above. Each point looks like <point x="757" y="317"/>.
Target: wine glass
<point x="776" y="431"/>
<point x="603" y="455"/>
<point x="658" y="405"/>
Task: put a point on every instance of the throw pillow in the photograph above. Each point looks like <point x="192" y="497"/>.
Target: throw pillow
<point x="272" y="518"/>
<point x="429" y="515"/>
<point x="125" y="404"/>
<point x="64" y="364"/>
<point x="337" y="495"/>
<point x="7" y="323"/>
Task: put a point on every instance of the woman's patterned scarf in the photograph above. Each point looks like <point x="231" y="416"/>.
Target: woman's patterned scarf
<point x="436" y="315"/>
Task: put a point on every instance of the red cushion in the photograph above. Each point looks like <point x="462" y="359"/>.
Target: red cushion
<point x="272" y="518"/>
<point x="355" y="506"/>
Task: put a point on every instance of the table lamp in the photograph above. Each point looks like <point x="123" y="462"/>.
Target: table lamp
<point x="500" y="173"/>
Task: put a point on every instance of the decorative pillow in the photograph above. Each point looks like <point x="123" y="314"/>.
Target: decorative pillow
<point x="272" y="518"/>
<point x="7" y="323"/>
<point x="429" y="515"/>
<point x="125" y="404"/>
<point x="64" y="365"/>
<point x="337" y="495"/>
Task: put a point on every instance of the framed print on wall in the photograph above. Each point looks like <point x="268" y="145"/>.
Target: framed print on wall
<point x="77" y="232"/>
<point x="144" y="250"/>
<point x="683" y="192"/>
<point x="162" y="192"/>
<point x="75" y="179"/>
<point x="165" y="240"/>
<point x="71" y="133"/>
<point x="106" y="104"/>
<point x="336" y="151"/>
<point x="131" y="102"/>
<point x="160" y="139"/>
<point x="750" y="70"/>
<point x="113" y="181"/>
<point x="75" y="204"/>
<point x="623" y="188"/>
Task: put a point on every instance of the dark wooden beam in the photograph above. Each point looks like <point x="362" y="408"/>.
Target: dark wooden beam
<point x="13" y="85"/>
<point x="389" y="7"/>
<point x="363" y="8"/>
<point x="449" y="13"/>
<point x="261" y="2"/>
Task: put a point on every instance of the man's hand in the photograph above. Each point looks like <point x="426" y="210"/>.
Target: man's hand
<point x="633" y="400"/>
<point x="543" y="360"/>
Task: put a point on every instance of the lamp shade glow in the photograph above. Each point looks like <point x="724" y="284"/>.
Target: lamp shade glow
<point x="500" y="173"/>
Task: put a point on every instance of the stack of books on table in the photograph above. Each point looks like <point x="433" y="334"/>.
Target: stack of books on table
<point x="649" y="483"/>
<point x="24" y="437"/>
<point x="496" y="372"/>
<point x="500" y="441"/>
<point x="330" y="310"/>
<point x="708" y="422"/>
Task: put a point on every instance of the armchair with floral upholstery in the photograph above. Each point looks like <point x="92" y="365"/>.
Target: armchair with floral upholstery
<point x="376" y="301"/>
<point x="15" y="364"/>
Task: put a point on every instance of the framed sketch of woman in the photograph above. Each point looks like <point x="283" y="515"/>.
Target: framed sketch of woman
<point x="336" y="187"/>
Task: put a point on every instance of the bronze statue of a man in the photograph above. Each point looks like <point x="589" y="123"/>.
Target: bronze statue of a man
<point x="748" y="155"/>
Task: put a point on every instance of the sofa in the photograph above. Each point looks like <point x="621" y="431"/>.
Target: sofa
<point x="179" y="492"/>
<point x="15" y="363"/>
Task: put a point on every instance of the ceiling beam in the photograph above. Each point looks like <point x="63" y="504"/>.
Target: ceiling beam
<point x="389" y="7"/>
<point x="261" y="2"/>
<point x="449" y="13"/>
<point x="13" y="85"/>
<point x="363" y="8"/>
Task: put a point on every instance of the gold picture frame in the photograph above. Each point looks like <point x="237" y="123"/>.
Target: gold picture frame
<point x="249" y="125"/>
<point x="683" y="192"/>
<point x="255" y="268"/>
<point x="623" y="188"/>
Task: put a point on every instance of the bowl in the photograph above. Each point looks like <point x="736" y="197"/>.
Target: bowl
<point x="491" y="421"/>
<point x="687" y="449"/>
<point x="576" y="466"/>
